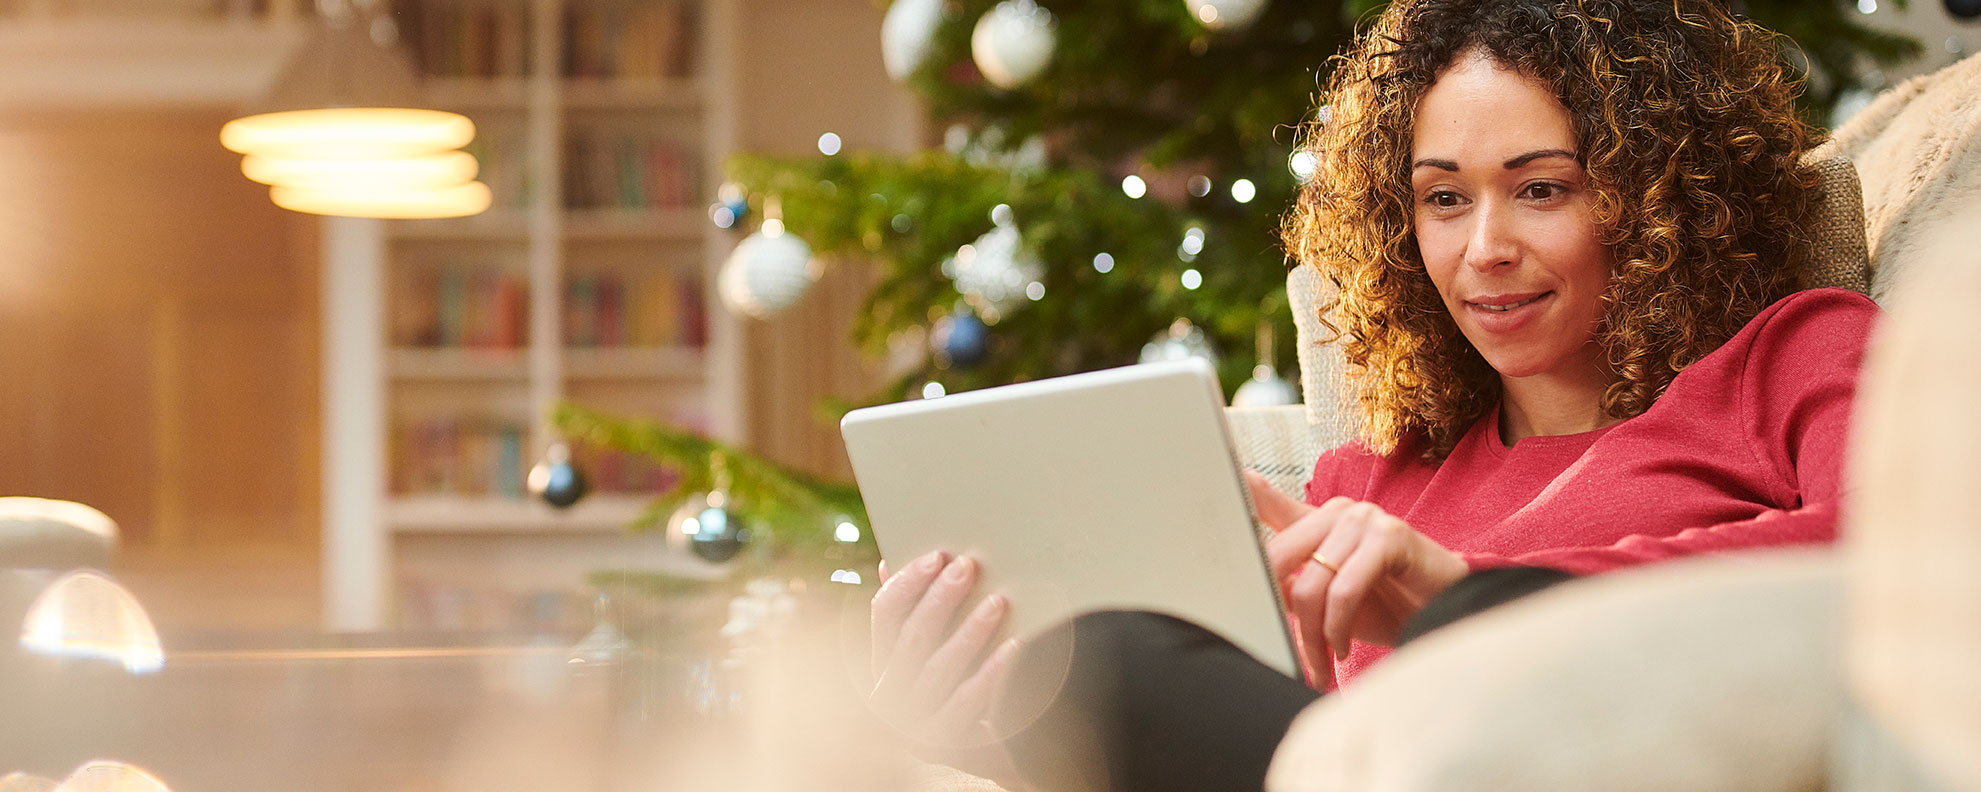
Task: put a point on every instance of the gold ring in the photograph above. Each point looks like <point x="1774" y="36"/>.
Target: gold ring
<point x="1323" y="561"/>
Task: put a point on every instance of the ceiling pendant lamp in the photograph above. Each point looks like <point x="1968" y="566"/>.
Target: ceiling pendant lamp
<point x="338" y="133"/>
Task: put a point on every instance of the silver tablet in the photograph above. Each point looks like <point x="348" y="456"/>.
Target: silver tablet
<point x="1114" y="489"/>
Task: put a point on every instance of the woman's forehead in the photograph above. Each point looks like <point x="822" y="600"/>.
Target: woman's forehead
<point x="1480" y="109"/>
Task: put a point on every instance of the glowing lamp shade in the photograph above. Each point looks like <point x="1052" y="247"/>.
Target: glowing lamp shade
<point x="338" y="133"/>
<point x="444" y="169"/>
<point x="348" y="133"/>
<point x="86" y="615"/>
<point x="458" y="200"/>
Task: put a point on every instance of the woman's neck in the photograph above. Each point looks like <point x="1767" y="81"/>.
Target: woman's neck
<point x="1552" y="404"/>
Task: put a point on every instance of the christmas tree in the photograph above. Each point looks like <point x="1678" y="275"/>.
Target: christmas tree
<point x="1146" y="167"/>
<point x="1109" y="167"/>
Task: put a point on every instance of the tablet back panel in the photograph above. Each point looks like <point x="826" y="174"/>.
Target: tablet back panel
<point x="1115" y="489"/>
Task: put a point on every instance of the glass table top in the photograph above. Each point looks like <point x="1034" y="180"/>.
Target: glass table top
<point x="674" y="707"/>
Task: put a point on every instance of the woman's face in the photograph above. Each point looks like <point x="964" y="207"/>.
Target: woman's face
<point x="1503" y="220"/>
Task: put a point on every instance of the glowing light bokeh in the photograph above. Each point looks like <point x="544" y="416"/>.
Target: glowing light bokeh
<point x="398" y="204"/>
<point x="1243" y="191"/>
<point x="84" y="614"/>
<point x="348" y="133"/>
<point x="103" y="775"/>
<point x="440" y="169"/>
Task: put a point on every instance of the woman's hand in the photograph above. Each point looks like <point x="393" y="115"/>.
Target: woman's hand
<point x="935" y="673"/>
<point x="1384" y="570"/>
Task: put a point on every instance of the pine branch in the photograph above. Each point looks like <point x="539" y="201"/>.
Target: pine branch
<point x="798" y="511"/>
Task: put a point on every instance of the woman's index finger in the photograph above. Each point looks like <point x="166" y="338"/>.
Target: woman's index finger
<point x="1276" y="509"/>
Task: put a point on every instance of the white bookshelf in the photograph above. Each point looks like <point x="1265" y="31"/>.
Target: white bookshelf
<point x="533" y="248"/>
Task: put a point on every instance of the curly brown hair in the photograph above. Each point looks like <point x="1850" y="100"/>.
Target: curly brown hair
<point x="1687" y="129"/>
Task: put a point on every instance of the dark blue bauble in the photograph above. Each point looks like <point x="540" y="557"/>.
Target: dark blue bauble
<point x="721" y="535"/>
<point x="558" y="483"/>
<point x="1964" y="9"/>
<point x="968" y="340"/>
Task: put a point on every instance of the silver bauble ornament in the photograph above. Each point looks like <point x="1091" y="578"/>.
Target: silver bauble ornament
<point x="1013" y="42"/>
<point x="1181" y="340"/>
<point x="1265" y="389"/>
<point x="995" y="269"/>
<point x="905" y="34"/>
<point x="708" y="525"/>
<point x="767" y="272"/>
<point x="1225" y="14"/>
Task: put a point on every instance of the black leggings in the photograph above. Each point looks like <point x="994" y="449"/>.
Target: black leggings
<point x="1151" y="703"/>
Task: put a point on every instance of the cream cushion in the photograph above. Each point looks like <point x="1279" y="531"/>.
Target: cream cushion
<point x="1705" y="674"/>
<point x="1913" y="536"/>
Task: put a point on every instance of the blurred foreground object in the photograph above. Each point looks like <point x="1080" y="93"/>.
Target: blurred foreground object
<point x="84" y="614"/>
<point x="43" y="533"/>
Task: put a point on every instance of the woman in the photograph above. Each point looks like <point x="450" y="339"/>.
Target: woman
<point x="1566" y="237"/>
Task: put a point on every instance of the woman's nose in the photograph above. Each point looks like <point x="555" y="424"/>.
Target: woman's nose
<point x="1492" y="242"/>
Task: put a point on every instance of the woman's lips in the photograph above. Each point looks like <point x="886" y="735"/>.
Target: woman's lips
<point x="1506" y="313"/>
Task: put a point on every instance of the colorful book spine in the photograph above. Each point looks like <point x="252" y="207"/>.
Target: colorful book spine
<point x="459" y="456"/>
<point x="462" y="306"/>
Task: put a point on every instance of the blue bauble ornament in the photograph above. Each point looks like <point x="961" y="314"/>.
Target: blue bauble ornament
<point x="720" y="535"/>
<point x="962" y="338"/>
<point x="556" y="480"/>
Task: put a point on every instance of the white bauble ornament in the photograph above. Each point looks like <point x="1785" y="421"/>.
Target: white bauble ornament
<point x="1225" y="14"/>
<point x="1265" y="389"/>
<point x="995" y="269"/>
<point x="767" y="272"/>
<point x="1013" y="42"/>
<point x="905" y="34"/>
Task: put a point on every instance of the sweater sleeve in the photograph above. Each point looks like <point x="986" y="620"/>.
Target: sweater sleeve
<point x="1797" y="383"/>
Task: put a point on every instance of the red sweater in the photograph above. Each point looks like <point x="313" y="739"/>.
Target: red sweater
<point x="1744" y="449"/>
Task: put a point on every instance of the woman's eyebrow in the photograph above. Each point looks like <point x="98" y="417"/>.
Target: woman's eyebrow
<point x="1522" y="160"/>
<point x="1512" y="164"/>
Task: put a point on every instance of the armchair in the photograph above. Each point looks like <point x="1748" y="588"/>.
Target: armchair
<point x="1850" y="668"/>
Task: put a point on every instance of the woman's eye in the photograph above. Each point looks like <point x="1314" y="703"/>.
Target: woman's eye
<point x="1542" y="191"/>
<point x="1442" y="199"/>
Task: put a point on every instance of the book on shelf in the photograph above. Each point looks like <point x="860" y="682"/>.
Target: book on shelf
<point x="473" y="40"/>
<point x="604" y="170"/>
<point x="461" y="456"/>
<point x="608" y="309"/>
<point x="648" y="41"/>
<point x="462" y="307"/>
<point x="483" y="457"/>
